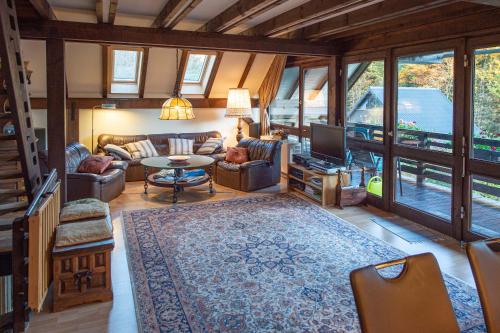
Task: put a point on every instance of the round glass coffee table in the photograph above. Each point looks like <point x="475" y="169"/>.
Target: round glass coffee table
<point x="178" y="181"/>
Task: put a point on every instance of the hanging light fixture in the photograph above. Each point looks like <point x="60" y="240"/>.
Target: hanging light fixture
<point x="177" y="108"/>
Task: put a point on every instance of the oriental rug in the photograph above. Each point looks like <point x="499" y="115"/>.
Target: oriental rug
<point x="272" y="263"/>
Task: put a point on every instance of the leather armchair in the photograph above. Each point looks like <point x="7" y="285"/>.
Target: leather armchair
<point x="262" y="170"/>
<point x="105" y="186"/>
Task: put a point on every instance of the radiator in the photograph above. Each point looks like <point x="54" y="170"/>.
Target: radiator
<point x="5" y="294"/>
<point x="42" y="226"/>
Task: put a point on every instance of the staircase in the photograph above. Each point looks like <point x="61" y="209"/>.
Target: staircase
<point x="20" y="177"/>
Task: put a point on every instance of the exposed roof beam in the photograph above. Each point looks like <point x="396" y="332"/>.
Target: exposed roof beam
<point x="238" y="13"/>
<point x="173" y="12"/>
<point x="136" y="103"/>
<point x="113" y="4"/>
<point x="180" y="71"/>
<point x="377" y="13"/>
<point x="106" y="73"/>
<point x="307" y="14"/>
<point x="99" y="10"/>
<point x="495" y="3"/>
<point x="138" y="36"/>
<point x="144" y="70"/>
<point x="44" y="9"/>
<point x="248" y="67"/>
<point x="213" y="73"/>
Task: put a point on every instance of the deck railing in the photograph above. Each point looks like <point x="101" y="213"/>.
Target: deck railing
<point x="485" y="149"/>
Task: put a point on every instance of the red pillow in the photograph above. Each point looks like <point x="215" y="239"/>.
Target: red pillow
<point x="95" y="164"/>
<point x="237" y="155"/>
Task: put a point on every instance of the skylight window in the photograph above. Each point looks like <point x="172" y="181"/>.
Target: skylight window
<point x="126" y="66"/>
<point x="196" y="68"/>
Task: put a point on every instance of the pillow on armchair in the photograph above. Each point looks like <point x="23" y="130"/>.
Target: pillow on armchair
<point x="95" y="164"/>
<point x="238" y="155"/>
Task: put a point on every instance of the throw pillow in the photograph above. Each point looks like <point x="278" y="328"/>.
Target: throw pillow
<point x="210" y="146"/>
<point x="180" y="146"/>
<point x="237" y="155"/>
<point x="117" y="150"/>
<point x="141" y="149"/>
<point x="95" y="164"/>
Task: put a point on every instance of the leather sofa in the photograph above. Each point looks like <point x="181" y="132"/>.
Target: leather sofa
<point x="135" y="171"/>
<point x="262" y="170"/>
<point x="104" y="187"/>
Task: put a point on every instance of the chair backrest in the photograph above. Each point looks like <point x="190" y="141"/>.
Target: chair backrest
<point x="75" y="153"/>
<point x="415" y="301"/>
<point x="484" y="257"/>
<point x="268" y="150"/>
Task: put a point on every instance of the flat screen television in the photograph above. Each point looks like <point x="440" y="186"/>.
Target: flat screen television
<point x="328" y="143"/>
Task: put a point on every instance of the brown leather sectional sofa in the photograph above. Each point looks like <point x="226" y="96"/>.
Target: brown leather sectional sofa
<point x="105" y="186"/>
<point x="135" y="170"/>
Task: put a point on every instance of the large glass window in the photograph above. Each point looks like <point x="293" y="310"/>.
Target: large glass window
<point x="365" y="100"/>
<point x="425" y="101"/>
<point x="486" y="106"/>
<point x="195" y="68"/>
<point x="316" y="95"/>
<point x="284" y="110"/>
<point x="423" y="186"/>
<point x="486" y="206"/>
<point x="372" y="162"/>
<point x="125" y="65"/>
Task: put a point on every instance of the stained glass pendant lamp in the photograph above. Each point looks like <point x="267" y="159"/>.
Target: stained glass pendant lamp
<point x="177" y="108"/>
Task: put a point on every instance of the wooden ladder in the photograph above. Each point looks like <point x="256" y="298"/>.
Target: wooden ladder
<point x="20" y="177"/>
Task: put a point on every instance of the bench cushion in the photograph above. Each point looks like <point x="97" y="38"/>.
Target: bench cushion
<point x="76" y="233"/>
<point x="84" y="209"/>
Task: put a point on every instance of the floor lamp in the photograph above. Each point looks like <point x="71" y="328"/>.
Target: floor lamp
<point x="99" y="107"/>
<point x="238" y="106"/>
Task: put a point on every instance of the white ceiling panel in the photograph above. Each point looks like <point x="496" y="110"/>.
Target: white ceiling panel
<point x="34" y="52"/>
<point x="84" y="69"/>
<point x="161" y="73"/>
<point x="257" y="73"/>
<point x="228" y="76"/>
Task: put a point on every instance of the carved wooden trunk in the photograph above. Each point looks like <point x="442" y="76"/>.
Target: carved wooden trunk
<point x="82" y="274"/>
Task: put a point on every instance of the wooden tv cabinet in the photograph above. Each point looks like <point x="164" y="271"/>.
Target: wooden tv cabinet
<point x="300" y="180"/>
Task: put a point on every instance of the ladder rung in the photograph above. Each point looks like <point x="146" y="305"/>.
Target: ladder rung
<point x="12" y="156"/>
<point x="13" y="206"/>
<point x="6" y="116"/>
<point x="6" y="220"/>
<point x="7" y="137"/>
<point x="5" y="241"/>
<point x="11" y="174"/>
<point x="11" y="192"/>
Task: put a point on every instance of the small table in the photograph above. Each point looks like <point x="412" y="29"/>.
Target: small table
<point x="162" y="162"/>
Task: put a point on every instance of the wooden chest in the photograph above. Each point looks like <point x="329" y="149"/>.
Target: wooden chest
<point x="82" y="274"/>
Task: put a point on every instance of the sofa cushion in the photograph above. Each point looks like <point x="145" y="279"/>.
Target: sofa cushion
<point x="210" y="146"/>
<point x="180" y="146"/>
<point x="237" y="155"/>
<point x="95" y="164"/>
<point x="141" y="149"/>
<point x="76" y="233"/>
<point x="83" y="209"/>
<point x="117" y="150"/>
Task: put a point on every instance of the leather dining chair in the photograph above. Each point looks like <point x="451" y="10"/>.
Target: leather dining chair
<point x="415" y="301"/>
<point x="484" y="258"/>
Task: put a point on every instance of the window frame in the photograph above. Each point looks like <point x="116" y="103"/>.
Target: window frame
<point x="203" y="70"/>
<point x="138" y="65"/>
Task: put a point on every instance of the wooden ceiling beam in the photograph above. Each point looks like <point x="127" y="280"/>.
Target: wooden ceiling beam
<point x="113" y="4"/>
<point x="173" y="12"/>
<point x="307" y="14"/>
<point x="213" y="73"/>
<point x="248" y="67"/>
<point x="467" y="26"/>
<point x="136" y="103"/>
<point x="138" y="36"/>
<point x="44" y="9"/>
<point x="181" y="70"/>
<point x="494" y="3"/>
<point x="144" y="70"/>
<point x="380" y="12"/>
<point x="99" y="11"/>
<point x="237" y="14"/>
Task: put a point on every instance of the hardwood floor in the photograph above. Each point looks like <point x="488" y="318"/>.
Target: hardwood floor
<point x="119" y="315"/>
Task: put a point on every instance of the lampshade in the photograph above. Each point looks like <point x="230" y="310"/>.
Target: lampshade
<point x="177" y="108"/>
<point x="238" y="103"/>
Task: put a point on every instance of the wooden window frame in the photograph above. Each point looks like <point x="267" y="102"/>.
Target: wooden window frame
<point x="203" y="70"/>
<point x="138" y="65"/>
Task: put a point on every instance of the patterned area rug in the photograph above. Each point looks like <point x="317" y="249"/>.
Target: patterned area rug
<point x="263" y="264"/>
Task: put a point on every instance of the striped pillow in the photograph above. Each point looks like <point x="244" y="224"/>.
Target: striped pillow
<point x="141" y="149"/>
<point x="210" y="146"/>
<point x="180" y="146"/>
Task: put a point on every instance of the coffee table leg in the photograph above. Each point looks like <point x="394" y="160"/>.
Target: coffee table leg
<point x="210" y="181"/>
<point x="145" y="180"/>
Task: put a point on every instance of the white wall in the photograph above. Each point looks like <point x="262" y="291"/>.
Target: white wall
<point x="145" y="121"/>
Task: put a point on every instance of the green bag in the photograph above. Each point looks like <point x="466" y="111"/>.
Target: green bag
<point x="375" y="186"/>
